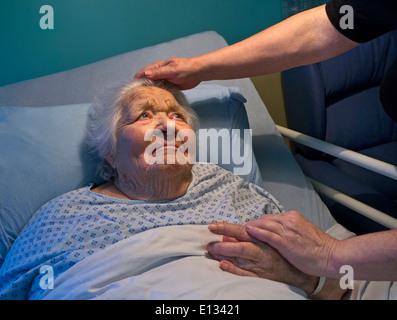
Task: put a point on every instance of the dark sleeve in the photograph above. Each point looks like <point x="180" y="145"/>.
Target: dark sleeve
<point x="372" y="18"/>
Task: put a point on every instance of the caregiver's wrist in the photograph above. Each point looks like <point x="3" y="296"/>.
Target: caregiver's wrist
<point x="333" y="259"/>
<point x="213" y="66"/>
<point x="202" y="70"/>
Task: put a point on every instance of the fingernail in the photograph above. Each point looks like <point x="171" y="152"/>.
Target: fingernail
<point x="212" y="227"/>
<point x="209" y="246"/>
<point x="249" y="228"/>
<point x="148" y="73"/>
<point x="224" y="265"/>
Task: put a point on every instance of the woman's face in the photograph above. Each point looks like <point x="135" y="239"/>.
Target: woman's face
<point x="146" y="138"/>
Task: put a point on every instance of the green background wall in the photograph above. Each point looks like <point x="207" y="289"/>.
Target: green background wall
<point x="90" y="30"/>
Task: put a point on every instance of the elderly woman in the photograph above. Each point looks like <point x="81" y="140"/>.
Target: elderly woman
<point x="144" y="188"/>
<point x="118" y="134"/>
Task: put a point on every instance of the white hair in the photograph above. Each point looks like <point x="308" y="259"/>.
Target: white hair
<point x="106" y="115"/>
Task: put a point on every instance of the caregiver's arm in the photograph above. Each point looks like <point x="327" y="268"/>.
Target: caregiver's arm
<point x="304" y="38"/>
<point x="372" y="256"/>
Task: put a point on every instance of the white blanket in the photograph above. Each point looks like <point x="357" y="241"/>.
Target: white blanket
<point x="170" y="263"/>
<point x="162" y="263"/>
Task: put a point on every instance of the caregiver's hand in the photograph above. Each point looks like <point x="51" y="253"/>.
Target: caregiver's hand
<point x="300" y="241"/>
<point x="373" y="256"/>
<point x="185" y="73"/>
<point x="241" y="254"/>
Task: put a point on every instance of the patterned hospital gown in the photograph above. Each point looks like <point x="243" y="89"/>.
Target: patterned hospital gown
<point x="79" y="223"/>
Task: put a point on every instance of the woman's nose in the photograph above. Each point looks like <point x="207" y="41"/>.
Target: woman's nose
<point x="166" y="125"/>
<point x="161" y="123"/>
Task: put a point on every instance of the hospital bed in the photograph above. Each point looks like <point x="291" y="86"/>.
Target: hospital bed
<point x="42" y="128"/>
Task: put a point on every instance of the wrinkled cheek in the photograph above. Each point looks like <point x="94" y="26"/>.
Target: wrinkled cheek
<point x="151" y="154"/>
<point x="130" y="156"/>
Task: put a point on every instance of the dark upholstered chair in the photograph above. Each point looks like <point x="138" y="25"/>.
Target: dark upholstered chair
<point x="338" y="101"/>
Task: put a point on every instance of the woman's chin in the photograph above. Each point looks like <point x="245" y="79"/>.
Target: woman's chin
<point x="170" y="167"/>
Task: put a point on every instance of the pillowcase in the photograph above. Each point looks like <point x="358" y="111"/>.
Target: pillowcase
<point x="224" y="137"/>
<point x="42" y="156"/>
<point x="43" y="153"/>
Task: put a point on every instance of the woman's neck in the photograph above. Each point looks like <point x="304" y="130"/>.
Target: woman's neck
<point x="153" y="187"/>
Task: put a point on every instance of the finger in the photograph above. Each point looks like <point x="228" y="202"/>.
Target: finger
<point x="141" y="73"/>
<point x="271" y="238"/>
<point x="220" y="257"/>
<point x="237" y="264"/>
<point x="269" y="223"/>
<point x="273" y="222"/>
<point x="229" y="239"/>
<point x="243" y="250"/>
<point x="164" y="72"/>
<point x="228" y="266"/>
<point x="230" y="230"/>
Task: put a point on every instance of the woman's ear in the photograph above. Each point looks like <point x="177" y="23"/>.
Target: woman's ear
<point x="111" y="161"/>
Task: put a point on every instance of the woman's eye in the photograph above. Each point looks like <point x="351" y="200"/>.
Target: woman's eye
<point x="143" y="115"/>
<point x="177" y="116"/>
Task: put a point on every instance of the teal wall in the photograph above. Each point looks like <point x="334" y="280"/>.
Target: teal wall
<point x="86" y="31"/>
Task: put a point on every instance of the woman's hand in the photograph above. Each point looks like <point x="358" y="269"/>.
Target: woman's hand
<point x="243" y="255"/>
<point x="185" y="73"/>
<point x="300" y="241"/>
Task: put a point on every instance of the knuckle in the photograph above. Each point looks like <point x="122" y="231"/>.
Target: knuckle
<point x="293" y="217"/>
<point x="241" y="250"/>
<point x="245" y="249"/>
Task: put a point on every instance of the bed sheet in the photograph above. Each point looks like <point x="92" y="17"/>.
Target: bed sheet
<point x="170" y="263"/>
<point x="162" y="263"/>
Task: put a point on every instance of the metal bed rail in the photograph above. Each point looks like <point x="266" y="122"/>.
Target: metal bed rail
<point x="356" y="158"/>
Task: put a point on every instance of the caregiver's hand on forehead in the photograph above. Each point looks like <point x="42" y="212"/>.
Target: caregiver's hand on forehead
<point x="185" y="73"/>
